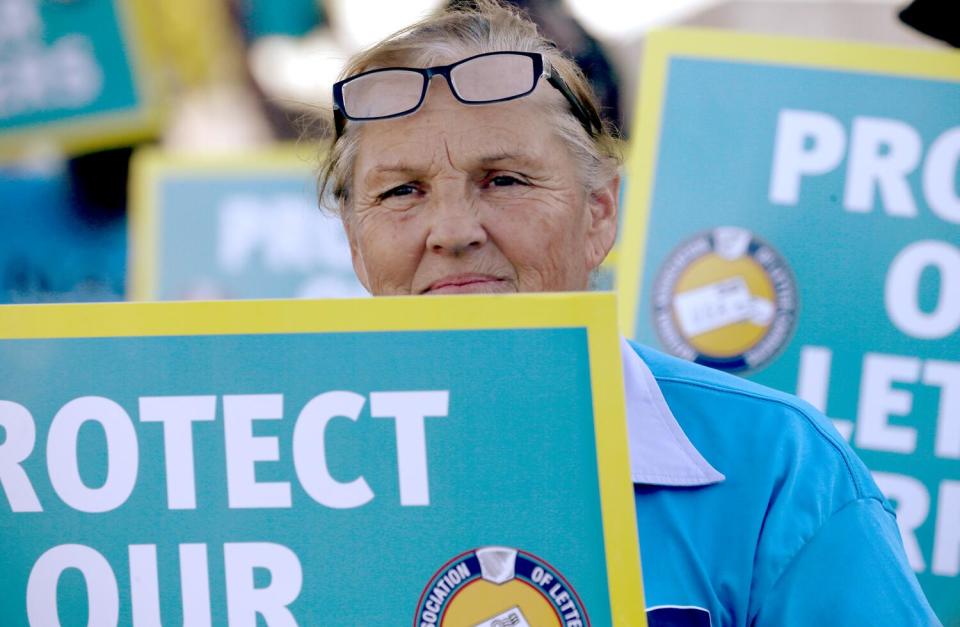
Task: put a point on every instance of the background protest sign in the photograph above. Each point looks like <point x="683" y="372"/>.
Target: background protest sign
<point x="361" y="462"/>
<point x="240" y="226"/>
<point x="75" y="72"/>
<point x="803" y="204"/>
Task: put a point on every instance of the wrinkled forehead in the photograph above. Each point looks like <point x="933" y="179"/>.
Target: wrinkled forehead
<point x="445" y="133"/>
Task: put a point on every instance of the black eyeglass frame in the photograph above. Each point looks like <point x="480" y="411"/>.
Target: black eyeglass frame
<point x="589" y="118"/>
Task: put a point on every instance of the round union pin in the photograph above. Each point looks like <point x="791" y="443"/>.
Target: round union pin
<point x="498" y="586"/>
<point x="725" y="299"/>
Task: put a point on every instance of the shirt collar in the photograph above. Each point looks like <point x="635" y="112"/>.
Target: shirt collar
<point x="660" y="453"/>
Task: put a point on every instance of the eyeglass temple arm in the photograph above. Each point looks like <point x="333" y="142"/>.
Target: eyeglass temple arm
<point x="588" y="117"/>
<point x="339" y="121"/>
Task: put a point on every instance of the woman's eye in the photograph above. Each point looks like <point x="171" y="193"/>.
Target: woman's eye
<point x="399" y="190"/>
<point x="504" y="180"/>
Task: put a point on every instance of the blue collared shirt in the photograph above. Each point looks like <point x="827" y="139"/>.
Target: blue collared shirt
<point x="752" y="510"/>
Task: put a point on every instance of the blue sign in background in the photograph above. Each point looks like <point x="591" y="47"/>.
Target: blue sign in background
<point x="237" y="234"/>
<point x="722" y="177"/>
<point x="52" y="248"/>
<point x="95" y="49"/>
<point x="366" y="565"/>
<point x="713" y="168"/>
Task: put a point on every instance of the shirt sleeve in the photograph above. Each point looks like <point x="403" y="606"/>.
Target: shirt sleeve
<point x="853" y="571"/>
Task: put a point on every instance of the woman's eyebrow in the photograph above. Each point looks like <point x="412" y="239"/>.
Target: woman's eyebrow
<point x="396" y="166"/>
<point x="513" y="158"/>
<point x="492" y="160"/>
<point x="379" y="171"/>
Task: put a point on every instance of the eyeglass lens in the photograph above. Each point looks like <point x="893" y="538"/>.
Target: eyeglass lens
<point x="397" y="91"/>
<point x="493" y="77"/>
<point x="382" y="93"/>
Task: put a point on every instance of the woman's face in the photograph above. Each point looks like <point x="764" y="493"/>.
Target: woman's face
<point x="474" y="199"/>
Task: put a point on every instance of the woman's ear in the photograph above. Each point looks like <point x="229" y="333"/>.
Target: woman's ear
<point x="602" y="203"/>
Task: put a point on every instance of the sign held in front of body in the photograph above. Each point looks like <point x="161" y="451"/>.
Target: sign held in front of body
<point x="323" y="462"/>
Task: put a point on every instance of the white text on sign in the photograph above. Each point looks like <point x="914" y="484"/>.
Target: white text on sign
<point x="176" y="415"/>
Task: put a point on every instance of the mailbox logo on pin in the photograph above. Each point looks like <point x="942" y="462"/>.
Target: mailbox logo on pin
<point x="725" y="299"/>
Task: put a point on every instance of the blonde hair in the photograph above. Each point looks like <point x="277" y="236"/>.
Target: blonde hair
<point x="457" y="32"/>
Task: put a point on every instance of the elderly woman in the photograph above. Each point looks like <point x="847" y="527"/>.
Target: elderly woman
<point x="470" y="158"/>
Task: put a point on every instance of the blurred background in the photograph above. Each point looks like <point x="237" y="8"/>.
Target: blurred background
<point x="86" y="84"/>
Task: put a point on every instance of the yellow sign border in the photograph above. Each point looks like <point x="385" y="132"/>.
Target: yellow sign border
<point x="95" y="131"/>
<point x="149" y="167"/>
<point x="661" y="45"/>
<point x="593" y="311"/>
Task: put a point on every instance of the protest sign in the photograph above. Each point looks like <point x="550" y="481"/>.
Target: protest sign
<point x="239" y="226"/>
<point x="794" y="217"/>
<point x="342" y="462"/>
<point x="77" y="73"/>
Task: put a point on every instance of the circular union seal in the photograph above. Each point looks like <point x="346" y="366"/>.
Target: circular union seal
<point x="497" y="586"/>
<point x="725" y="299"/>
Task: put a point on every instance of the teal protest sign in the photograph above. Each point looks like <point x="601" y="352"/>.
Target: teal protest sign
<point x="794" y="217"/>
<point x="240" y="226"/>
<point x="369" y="462"/>
<point x="74" y="72"/>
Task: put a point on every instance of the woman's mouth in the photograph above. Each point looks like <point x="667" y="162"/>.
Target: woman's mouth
<point x="466" y="284"/>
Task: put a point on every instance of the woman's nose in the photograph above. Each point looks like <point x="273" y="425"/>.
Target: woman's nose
<point x="456" y="228"/>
